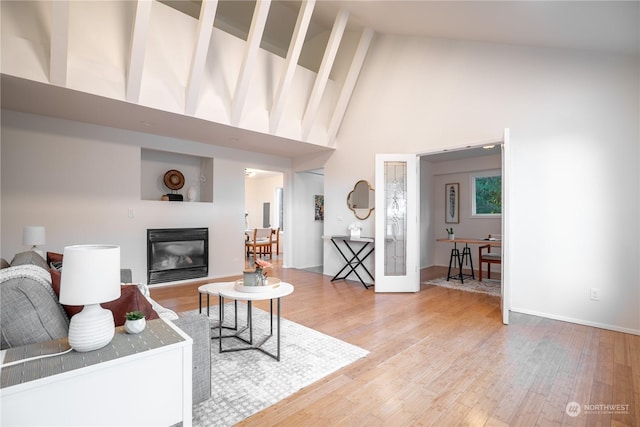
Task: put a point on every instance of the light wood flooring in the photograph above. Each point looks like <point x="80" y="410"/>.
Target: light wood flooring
<point x="443" y="357"/>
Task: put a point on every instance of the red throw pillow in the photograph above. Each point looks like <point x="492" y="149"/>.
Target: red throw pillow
<point x="53" y="257"/>
<point x="131" y="299"/>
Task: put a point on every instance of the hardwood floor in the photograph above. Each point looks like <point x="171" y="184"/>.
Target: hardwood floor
<point x="442" y="357"/>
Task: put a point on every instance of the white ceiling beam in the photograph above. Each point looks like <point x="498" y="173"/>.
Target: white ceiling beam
<point x="254" y="38"/>
<point x="59" y="43"/>
<point x="323" y="74"/>
<point x="349" y="83"/>
<point x="138" y="49"/>
<point x="291" y="62"/>
<point x="199" y="57"/>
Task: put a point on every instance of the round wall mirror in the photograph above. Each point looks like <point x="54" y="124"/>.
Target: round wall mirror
<point x="361" y="200"/>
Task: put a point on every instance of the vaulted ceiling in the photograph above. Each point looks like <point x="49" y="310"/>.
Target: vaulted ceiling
<point x="598" y="26"/>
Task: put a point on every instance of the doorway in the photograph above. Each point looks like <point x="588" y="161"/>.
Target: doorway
<point x="463" y="169"/>
<point x="264" y="207"/>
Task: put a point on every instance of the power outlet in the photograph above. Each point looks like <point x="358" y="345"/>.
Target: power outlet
<point x="131" y="213"/>
<point x="595" y="294"/>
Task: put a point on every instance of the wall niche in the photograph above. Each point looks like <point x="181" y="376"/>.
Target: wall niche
<point x="197" y="172"/>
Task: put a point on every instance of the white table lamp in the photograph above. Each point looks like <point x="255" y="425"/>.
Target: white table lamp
<point x="91" y="275"/>
<point x="34" y="235"/>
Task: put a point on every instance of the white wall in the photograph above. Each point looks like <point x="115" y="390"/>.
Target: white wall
<point x="80" y="180"/>
<point x="307" y="232"/>
<point x="574" y="158"/>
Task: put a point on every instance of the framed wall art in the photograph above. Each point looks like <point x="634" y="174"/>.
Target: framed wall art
<point x="318" y="202"/>
<point x="451" y="203"/>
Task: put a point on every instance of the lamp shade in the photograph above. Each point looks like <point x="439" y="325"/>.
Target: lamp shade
<point x="33" y="235"/>
<point x="91" y="274"/>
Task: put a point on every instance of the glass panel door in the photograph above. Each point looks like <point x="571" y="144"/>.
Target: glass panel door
<point x="397" y="234"/>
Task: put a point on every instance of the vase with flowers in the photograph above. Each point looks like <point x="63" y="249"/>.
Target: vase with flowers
<point x="261" y="276"/>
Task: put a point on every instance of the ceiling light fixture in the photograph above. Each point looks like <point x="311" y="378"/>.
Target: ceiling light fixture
<point x="488" y="147"/>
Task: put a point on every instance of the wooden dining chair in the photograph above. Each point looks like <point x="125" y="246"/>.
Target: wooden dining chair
<point x="275" y="240"/>
<point x="490" y="255"/>
<point x="260" y="243"/>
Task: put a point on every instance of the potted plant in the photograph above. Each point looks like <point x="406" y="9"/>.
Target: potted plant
<point x="135" y="322"/>
<point x="450" y="233"/>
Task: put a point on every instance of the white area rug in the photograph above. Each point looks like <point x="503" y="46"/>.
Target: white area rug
<point x="489" y="287"/>
<point x="246" y="382"/>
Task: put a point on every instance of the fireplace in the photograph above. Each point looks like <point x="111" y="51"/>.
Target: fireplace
<point x="177" y="254"/>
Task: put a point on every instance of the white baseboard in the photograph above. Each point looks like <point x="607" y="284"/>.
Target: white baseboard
<point x="577" y="321"/>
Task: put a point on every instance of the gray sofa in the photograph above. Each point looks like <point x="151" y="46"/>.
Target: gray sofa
<point x="30" y="313"/>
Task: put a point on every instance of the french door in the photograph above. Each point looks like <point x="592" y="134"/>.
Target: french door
<point x="397" y="231"/>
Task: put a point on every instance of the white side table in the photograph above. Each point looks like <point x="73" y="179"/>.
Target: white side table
<point x="277" y="293"/>
<point x="214" y="289"/>
<point x="142" y="379"/>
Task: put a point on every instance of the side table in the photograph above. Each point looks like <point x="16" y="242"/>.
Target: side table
<point x="214" y="289"/>
<point x="92" y="388"/>
<point x="276" y="293"/>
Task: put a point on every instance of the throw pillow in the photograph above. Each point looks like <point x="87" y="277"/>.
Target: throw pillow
<point x="54" y="257"/>
<point x="29" y="309"/>
<point x="130" y="300"/>
<point x="29" y="257"/>
<point x="4" y="263"/>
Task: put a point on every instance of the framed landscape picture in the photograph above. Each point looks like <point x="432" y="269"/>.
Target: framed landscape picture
<point x="451" y="203"/>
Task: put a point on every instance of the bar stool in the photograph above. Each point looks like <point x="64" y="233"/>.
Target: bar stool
<point x="458" y="260"/>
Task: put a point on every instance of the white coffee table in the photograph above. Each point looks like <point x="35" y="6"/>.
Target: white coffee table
<point x="283" y="289"/>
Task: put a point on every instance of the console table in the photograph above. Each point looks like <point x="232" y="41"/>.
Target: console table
<point x="142" y="379"/>
<point x="356" y="259"/>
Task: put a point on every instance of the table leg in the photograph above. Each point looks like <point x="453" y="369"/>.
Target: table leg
<point x="250" y="321"/>
<point x="353" y="263"/>
<point x="278" y="338"/>
<point x="221" y="311"/>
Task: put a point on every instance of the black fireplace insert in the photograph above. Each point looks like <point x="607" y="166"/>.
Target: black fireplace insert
<point x="177" y="254"/>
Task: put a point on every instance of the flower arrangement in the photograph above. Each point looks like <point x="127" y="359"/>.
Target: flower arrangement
<point x="449" y="230"/>
<point x="261" y="265"/>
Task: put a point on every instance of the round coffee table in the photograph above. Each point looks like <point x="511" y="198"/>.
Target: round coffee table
<point x="276" y="293"/>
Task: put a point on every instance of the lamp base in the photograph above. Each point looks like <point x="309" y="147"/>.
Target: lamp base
<point x="91" y="329"/>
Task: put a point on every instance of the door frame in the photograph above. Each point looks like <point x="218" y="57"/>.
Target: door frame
<point x="505" y="297"/>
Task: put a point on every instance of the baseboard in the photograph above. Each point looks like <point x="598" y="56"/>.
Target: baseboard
<point x="576" y="321"/>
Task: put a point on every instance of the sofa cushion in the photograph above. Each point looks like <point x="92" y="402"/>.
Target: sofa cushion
<point x="131" y="299"/>
<point x="29" y="258"/>
<point x="29" y="309"/>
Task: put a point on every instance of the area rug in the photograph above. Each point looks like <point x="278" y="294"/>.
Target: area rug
<point x="489" y="287"/>
<point x="246" y="382"/>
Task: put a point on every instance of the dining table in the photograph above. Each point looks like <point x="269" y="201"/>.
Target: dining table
<point x="457" y="258"/>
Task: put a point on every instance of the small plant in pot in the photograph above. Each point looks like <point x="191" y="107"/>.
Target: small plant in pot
<point x="135" y="322"/>
<point x="450" y="233"/>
